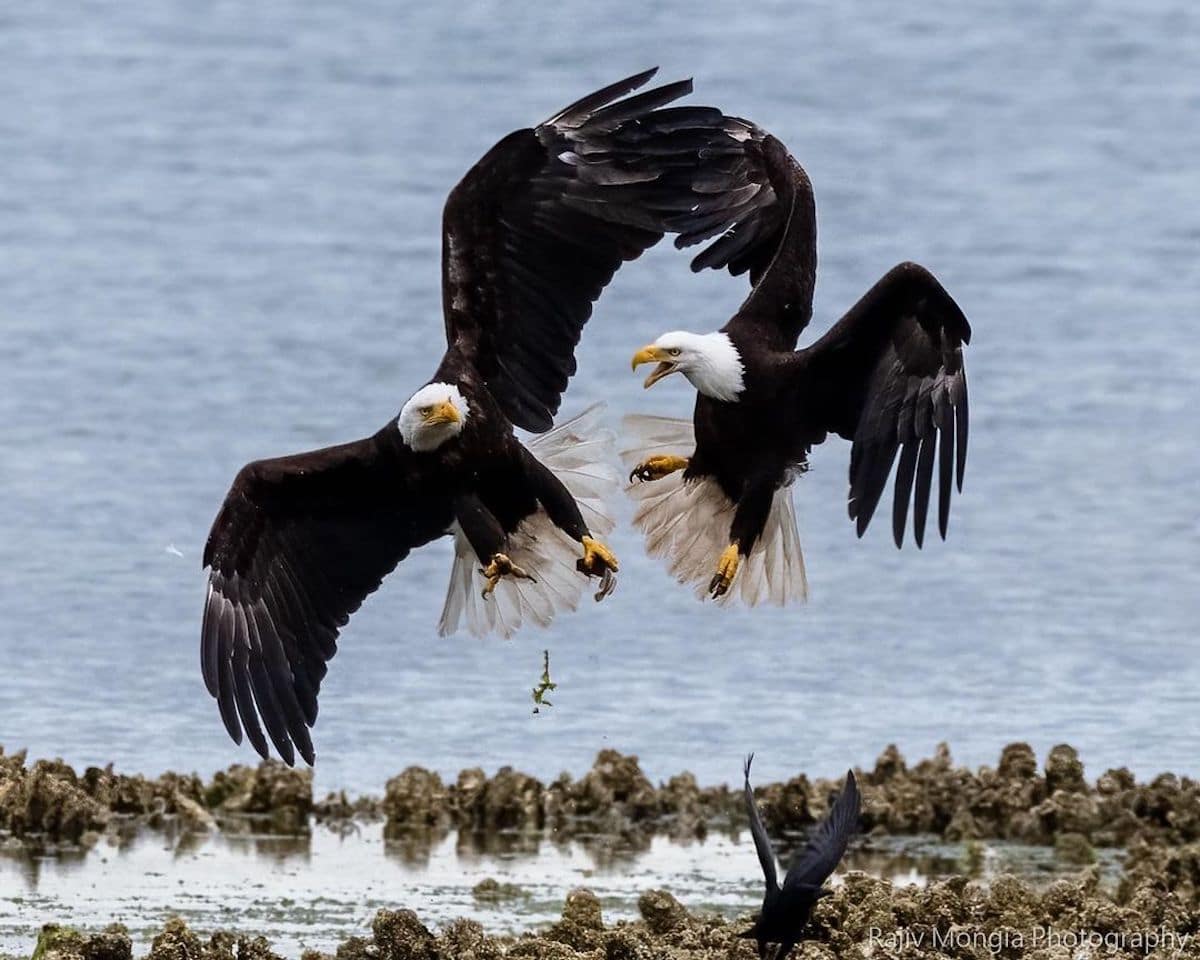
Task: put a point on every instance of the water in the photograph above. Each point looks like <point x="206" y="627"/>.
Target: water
<point x="219" y="241"/>
<point x="313" y="893"/>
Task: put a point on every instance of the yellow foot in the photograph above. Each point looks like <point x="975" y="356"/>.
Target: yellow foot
<point x="501" y="567"/>
<point x="597" y="559"/>
<point x="655" y="468"/>
<point x="727" y="568"/>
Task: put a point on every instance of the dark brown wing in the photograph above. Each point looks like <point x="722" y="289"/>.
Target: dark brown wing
<point x="537" y="228"/>
<point x="297" y="545"/>
<point x="767" y="219"/>
<point x="762" y="843"/>
<point x="826" y="842"/>
<point x="890" y="377"/>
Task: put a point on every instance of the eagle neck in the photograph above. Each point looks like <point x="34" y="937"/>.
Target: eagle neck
<point x="720" y="374"/>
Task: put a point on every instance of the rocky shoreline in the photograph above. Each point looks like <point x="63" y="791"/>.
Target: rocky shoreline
<point x="47" y="803"/>
<point x="865" y="917"/>
<point x="1154" y="910"/>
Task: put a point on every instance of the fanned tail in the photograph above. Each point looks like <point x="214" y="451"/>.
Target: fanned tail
<point x="582" y="454"/>
<point x="686" y="523"/>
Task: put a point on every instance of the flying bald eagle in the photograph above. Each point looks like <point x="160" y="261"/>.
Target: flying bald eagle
<point x="714" y="494"/>
<point x="531" y="236"/>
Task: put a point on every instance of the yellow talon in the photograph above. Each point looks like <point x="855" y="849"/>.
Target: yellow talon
<point x="727" y="568"/>
<point x="655" y="468"/>
<point x="597" y="559"/>
<point x="500" y="567"/>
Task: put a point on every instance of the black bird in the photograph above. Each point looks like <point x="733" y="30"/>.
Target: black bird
<point x="531" y="236"/>
<point x="888" y="376"/>
<point x="786" y="909"/>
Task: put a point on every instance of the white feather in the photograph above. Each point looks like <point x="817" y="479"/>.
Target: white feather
<point x="422" y="436"/>
<point x="686" y="523"/>
<point x="581" y="453"/>
<point x="710" y="361"/>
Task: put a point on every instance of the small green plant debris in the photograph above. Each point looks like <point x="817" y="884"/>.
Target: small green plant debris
<point x="545" y="685"/>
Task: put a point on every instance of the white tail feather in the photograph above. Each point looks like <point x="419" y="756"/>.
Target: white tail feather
<point x="686" y="523"/>
<point x="581" y="453"/>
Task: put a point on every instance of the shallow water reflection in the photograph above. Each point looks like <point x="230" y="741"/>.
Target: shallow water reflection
<point x="315" y="891"/>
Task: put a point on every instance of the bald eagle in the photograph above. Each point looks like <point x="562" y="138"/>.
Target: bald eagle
<point x="531" y="235"/>
<point x="713" y="494"/>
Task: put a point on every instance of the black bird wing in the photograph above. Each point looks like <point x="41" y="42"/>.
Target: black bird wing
<point x="767" y="220"/>
<point x="298" y="544"/>
<point x="762" y="843"/>
<point x="826" y="843"/>
<point x="889" y="376"/>
<point x="537" y="228"/>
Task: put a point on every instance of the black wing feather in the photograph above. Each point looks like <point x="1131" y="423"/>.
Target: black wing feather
<point x="826" y="843"/>
<point x="762" y="843"/>
<point x="890" y="377"/>
<point x="924" y="484"/>
<point x="537" y="228"/>
<point x="298" y="544"/>
<point x="766" y="217"/>
<point x="578" y="112"/>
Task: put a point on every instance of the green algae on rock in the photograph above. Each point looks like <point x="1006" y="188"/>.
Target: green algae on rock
<point x="64" y="943"/>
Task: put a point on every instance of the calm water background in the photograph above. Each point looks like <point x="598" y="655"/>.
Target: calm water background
<point x="219" y="240"/>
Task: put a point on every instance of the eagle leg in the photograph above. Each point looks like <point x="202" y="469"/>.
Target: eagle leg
<point x="727" y="568"/>
<point x="597" y="560"/>
<point x="655" y="468"/>
<point x="500" y="567"/>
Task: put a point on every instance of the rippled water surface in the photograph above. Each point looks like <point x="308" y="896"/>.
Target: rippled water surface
<point x="219" y="240"/>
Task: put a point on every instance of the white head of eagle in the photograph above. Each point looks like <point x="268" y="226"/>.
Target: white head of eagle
<point x="709" y="360"/>
<point x="434" y="414"/>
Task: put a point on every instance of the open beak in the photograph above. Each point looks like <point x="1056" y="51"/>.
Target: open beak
<point x="444" y="412"/>
<point x="666" y="366"/>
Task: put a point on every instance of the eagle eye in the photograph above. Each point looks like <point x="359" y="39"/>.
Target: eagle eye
<point x="674" y="351"/>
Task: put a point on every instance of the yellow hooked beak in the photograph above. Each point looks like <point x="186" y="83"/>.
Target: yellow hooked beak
<point x="444" y="412"/>
<point x="651" y="354"/>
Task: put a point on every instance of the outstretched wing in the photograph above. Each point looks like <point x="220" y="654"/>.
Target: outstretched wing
<point x="762" y="843"/>
<point x="766" y="216"/>
<point x="537" y="228"/>
<point x="826" y="843"/>
<point x="890" y="377"/>
<point x="297" y="545"/>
